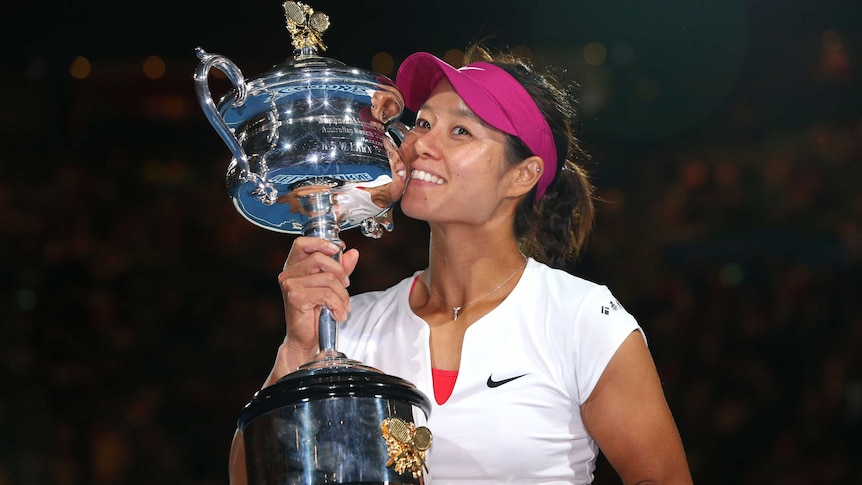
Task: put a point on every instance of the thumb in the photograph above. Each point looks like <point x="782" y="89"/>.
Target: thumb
<point x="349" y="259"/>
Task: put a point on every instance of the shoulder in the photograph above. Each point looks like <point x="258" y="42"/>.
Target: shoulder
<point x="575" y="310"/>
<point x="558" y="286"/>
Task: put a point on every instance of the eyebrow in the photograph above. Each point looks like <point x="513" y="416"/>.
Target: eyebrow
<point x="465" y="111"/>
<point x="462" y="110"/>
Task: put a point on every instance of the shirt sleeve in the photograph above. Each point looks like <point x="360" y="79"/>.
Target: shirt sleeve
<point x="602" y="324"/>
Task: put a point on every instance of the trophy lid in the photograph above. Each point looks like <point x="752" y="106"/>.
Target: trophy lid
<point x="298" y="73"/>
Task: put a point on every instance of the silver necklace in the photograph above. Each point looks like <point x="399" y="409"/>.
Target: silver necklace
<point x="457" y="309"/>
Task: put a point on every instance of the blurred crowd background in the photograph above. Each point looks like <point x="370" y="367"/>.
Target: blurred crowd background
<point x="139" y="312"/>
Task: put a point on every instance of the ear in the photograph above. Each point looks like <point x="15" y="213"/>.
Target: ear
<point x="526" y="175"/>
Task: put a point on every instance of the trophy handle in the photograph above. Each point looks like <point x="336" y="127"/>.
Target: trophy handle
<point x="396" y="130"/>
<point x="233" y="73"/>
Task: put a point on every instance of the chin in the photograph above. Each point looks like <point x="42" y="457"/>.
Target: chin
<point x="412" y="207"/>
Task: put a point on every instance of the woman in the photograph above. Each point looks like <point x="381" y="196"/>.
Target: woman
<point x="533" y="370"/>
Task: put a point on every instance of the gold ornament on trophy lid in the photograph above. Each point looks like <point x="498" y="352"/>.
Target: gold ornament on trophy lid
<point x="305" y="25"/>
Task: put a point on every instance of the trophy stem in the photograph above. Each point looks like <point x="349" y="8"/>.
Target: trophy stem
<point x="322" y="223"/>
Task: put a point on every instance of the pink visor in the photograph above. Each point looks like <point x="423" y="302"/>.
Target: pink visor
<point x="495" y="96"/>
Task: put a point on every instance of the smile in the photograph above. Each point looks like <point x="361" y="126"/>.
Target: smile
<point x="426" y="177"/>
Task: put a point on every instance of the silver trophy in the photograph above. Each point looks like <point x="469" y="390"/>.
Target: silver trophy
<point x="315" y="147"/>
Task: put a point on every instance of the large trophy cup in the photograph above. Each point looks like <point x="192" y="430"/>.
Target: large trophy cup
<point x="314" y="152"/>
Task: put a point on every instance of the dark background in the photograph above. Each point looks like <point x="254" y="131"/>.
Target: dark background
<point x="139" y="311"/>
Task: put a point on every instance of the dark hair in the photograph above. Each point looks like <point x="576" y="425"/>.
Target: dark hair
<point x="555" y="228"/>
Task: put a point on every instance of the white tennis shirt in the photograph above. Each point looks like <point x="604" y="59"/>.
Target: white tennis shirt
<point x="514" y="413"/>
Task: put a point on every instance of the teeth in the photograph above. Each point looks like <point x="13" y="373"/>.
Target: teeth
<point x="401" y="173"/>
<point x="426" y="177"/>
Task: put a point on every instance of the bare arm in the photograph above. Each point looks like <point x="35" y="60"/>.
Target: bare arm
<point x="310" y="279"/>
<point x="629" y="418"/>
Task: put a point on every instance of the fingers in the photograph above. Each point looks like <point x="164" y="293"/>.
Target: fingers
<point x="311" y="278"/>
<point x="349" y="260"/>
<point x="307" y="246"/>
<point x="304" y="296"/>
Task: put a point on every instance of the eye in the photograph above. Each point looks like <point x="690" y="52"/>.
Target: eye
<point x="422" y="123"/>
<point x="461" y="131"/>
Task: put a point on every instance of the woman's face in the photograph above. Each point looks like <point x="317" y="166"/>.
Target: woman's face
<point x="455" y="163"/>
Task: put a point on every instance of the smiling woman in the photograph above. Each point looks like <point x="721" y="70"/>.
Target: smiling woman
<point x="533" y="370"/>
<point x="139" y="308"/>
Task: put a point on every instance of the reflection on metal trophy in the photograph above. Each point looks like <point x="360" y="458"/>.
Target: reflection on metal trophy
<point x="309" y="125"/>
<point x="314" y="145"/>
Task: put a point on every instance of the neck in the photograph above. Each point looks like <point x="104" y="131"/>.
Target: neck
<point x="492" y="284"/>
<point x="468" y="261"/>
<point x="457" y="257"/>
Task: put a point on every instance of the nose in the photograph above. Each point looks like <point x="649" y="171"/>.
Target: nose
<point x="424" y="143"/>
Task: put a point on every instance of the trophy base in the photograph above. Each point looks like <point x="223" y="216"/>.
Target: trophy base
<point x="323" y="424"/>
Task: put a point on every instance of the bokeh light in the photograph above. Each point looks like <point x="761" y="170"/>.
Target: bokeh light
<point x="383" y="63"/>
<point x="153" y="67"/>
<point x="80" y="68"/>
<point x="454" y="57"/>
<point x="595" y="53"/>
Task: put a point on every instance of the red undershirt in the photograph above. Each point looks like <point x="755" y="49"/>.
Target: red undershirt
<point x="444" y="380"/>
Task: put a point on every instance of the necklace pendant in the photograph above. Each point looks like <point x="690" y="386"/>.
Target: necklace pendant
<point x="455" y="311"/>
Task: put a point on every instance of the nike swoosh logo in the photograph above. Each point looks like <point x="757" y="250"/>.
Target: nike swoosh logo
<point x="492" y="383"/>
